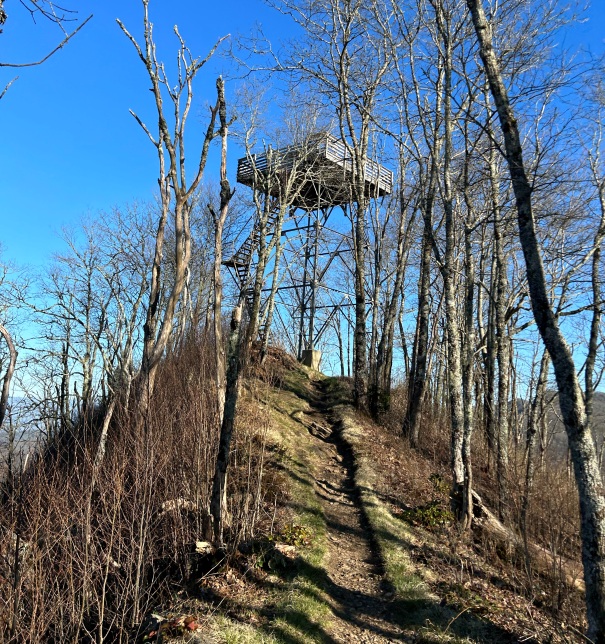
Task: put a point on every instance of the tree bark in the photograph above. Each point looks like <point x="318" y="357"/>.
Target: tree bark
<point x="597" y="297"/>
<point x="418" y="373"/>
<point x="502" y="359"/>
<point x="468" y="354"/>
<point x="384" y="352"/>
<point x="219" y="482"/>
<point x="219" y="224"/>
<point x="448" y="272"/>
<point x="536" y="412"/>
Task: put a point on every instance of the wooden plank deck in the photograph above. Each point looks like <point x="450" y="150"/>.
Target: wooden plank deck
<point x="323" y="162"/>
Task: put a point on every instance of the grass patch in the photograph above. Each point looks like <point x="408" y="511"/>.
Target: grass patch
<point x="390" y="534"/>
<point x="297" y="610"/>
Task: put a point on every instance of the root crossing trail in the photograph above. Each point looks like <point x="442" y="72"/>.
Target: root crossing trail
<point x="359" y="596"/>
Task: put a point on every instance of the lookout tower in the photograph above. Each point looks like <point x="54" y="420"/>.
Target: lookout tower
<point x="303" y="183"/>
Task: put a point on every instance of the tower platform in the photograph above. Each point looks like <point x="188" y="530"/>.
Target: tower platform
<point x="323" y="173"/>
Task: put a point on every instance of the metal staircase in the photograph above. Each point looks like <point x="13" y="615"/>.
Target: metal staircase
<point x="242" y="263"/>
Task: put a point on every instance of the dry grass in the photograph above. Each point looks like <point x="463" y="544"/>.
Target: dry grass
<point x="98" y="551"/>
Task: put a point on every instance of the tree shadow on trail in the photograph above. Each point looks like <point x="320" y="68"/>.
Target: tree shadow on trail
<point x="428" y="618"/>
<point x="425" y="617"/>
<point x="379" y="612"/>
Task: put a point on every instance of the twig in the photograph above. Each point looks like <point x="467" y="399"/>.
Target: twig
<point x="6" y="88"/>
<point x="577" y="632"/>
<point x="54" y="51"/>
<point x="447" y="628"/>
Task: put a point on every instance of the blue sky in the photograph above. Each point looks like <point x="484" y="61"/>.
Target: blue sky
<point x="68" y="144"/>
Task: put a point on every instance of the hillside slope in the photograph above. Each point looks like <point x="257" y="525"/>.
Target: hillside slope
<point x="362" y="547"/>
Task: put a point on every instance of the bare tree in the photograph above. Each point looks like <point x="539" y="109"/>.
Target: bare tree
<point x="176" y="191"/>
<point x="219" y="220"/>
<point x="583" y="452"/>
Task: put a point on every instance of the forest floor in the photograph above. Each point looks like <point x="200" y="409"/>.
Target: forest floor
<point x="362" y="548"/>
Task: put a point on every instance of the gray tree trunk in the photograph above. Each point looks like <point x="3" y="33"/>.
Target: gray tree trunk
<point x="8" y="375"/>
<point x="536" y="412"/>
<point x="219" y="220"/>
<point x="360" y="373"/>
<point x="581" y="444"/>
<point x="219" y="482"/>
<point x="489" y="362"/>
<point x="418" y="373"/>
<point x="448" y="272"/>
<point x="502" y="358"/>
<point x="597" y="297"/>
<point x="468" y="355"/>
<point x="384" y="353"/>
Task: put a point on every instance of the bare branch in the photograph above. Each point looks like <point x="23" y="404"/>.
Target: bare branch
<point x="132" y="39"/>
<point x="54" y="51"/>
<point x="6" y="88"/>
<point x="145" y="128"/>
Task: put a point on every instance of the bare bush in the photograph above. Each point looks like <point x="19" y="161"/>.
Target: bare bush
<point x="88" y="551"/>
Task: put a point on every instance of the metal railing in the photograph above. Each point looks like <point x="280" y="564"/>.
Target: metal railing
<point x="319" y="148"/>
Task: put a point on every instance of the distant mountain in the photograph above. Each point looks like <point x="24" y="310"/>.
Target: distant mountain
<point x="557" y="444"/>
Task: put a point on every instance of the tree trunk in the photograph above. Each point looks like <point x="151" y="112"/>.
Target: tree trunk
<point x="595" y="324"/>
<point x="219" y="482"/>
<point x="374" y="393"/>
<point x="418" y="373"/>
<point x="536" y="412"/>
<point x="502" y="359"/>
<point x="384" y="352"/>
<point x="341" y="353"/>
<point x="581" y="444"/>
<point x="360" y="373"/>
<point x="12" y="360"/>
<point x="448" y="272"/>
<point x="468" y="355"/>
<point x="219" y="225"/>
<point x="500" y="281"/>
<point x="489" y="370"/>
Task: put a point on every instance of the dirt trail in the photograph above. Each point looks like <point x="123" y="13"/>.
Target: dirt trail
<point x="359" y="596"/>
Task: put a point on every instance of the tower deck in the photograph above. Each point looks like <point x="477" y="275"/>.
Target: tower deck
<point x="322" y="169"/>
